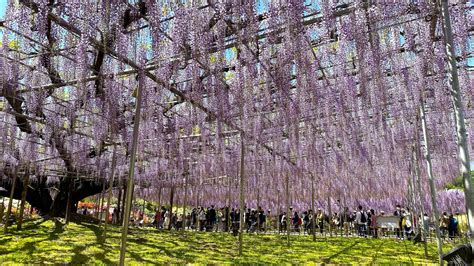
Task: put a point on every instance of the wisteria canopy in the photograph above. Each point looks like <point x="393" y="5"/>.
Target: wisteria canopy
<point x="328" y="91"/>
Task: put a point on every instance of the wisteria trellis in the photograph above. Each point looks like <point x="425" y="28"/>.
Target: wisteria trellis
<point x="313" y="86"/>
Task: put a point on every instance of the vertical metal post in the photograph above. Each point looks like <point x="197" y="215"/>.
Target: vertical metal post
<point x="330" y="215"/>
<point x="463" y="151"/>
<point x="26" y="180"/>
<point x="111" y="184"/>
<point x="185" y="199"/>
<point x="131" y="170"/>
<point x="313" y="217"/>
<point x="10" y="202"/>
<point x="242" y="180"/>
<point x="431" y="181"/>
<point x="416" y="168"/>
<point x="288" y="225"/>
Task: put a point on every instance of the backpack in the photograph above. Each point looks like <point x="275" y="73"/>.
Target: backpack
<point x="299" y="221"/>
<point x="363" y="217"/>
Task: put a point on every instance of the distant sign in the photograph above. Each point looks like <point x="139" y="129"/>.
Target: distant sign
<point x="390" y="222"/>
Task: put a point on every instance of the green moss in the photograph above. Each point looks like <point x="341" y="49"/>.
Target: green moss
<point x="457" y="183"/>
<point x="80" y="244"/>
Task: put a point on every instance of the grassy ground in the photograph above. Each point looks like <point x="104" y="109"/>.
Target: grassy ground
<point x="81" y="243"/>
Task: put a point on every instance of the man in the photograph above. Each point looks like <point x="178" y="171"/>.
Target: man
<point x="361" y="221"/>
<point x="157" y="218"/>
<point x="201" y="218"/>
<point x="345" y="220"/>
<point x="426" y="224"/>
<point x="305" y="222"/>
<point x="261" y="219"/>
<point x="212" y="217"/>
<point x="247" y="219"/>
<point x="398" y="213"/>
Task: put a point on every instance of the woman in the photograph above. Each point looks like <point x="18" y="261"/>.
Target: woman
<point x="373" y="223"/>
<point x="407" y="225"/>
<point x="443" y="223"/>
<point x="167" y="220"/>
<point x="320" y="220"/>
<point x="202" y="218"/>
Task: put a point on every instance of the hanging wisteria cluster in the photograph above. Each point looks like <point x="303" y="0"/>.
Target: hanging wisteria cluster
<point x="323" y="90"/>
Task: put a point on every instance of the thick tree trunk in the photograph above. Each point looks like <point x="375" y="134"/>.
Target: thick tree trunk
<point x="69" y="202"/>
<point x="38" y="196"/>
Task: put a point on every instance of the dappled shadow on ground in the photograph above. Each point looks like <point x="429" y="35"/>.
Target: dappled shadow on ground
<point x="342" y="251"/>
<point x="84" y="244"/>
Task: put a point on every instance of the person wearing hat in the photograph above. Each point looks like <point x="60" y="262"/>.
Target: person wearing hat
<point x="320" y="220"/>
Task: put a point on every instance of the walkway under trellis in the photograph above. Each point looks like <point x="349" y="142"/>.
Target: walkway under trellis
<point x="156" y="98"/>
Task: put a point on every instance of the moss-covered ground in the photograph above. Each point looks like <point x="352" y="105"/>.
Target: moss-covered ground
<point x="83" y="244"/>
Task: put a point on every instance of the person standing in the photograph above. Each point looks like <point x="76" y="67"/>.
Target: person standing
<point x="408" y="224"/>
<point x="452" y="227"/>
<point x="373" y="224"/>
<point x="283" y="222"/>
<point x="443" y="224"/>
<point x="320" y="220"/>
<point x="398" y="213"/>
<point x="115" y="216"/>
<point x="296" y="222"/>
<point x="345" y="220"/>
<point x="201" y="218"/>
<point x="426" y="224"/>
<point x="212" y="217"/>
<point x="361" y="221"/>
<point x="167" y="220"/>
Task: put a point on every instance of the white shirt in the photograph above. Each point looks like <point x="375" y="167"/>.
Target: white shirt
<point x="358" y="218"/>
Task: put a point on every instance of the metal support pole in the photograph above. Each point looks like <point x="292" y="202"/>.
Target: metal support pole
<point x="463" y="151"/>
<point x="10" y="202"/>
<point x="26" y="180"/>
<point x="185" y="202"/>
<point x="288" y="226"/>
<point x="242" y="179"/>
<point x="313" y="217"/>
<point x="416" y="168"/>
<point x="431" y="181"/>
<point x="131" y="170"/>
<point x="330" y="215"/>
<point x="111" y="184"/>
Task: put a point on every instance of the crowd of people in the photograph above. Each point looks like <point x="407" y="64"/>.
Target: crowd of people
<point x="359" y="222"/>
